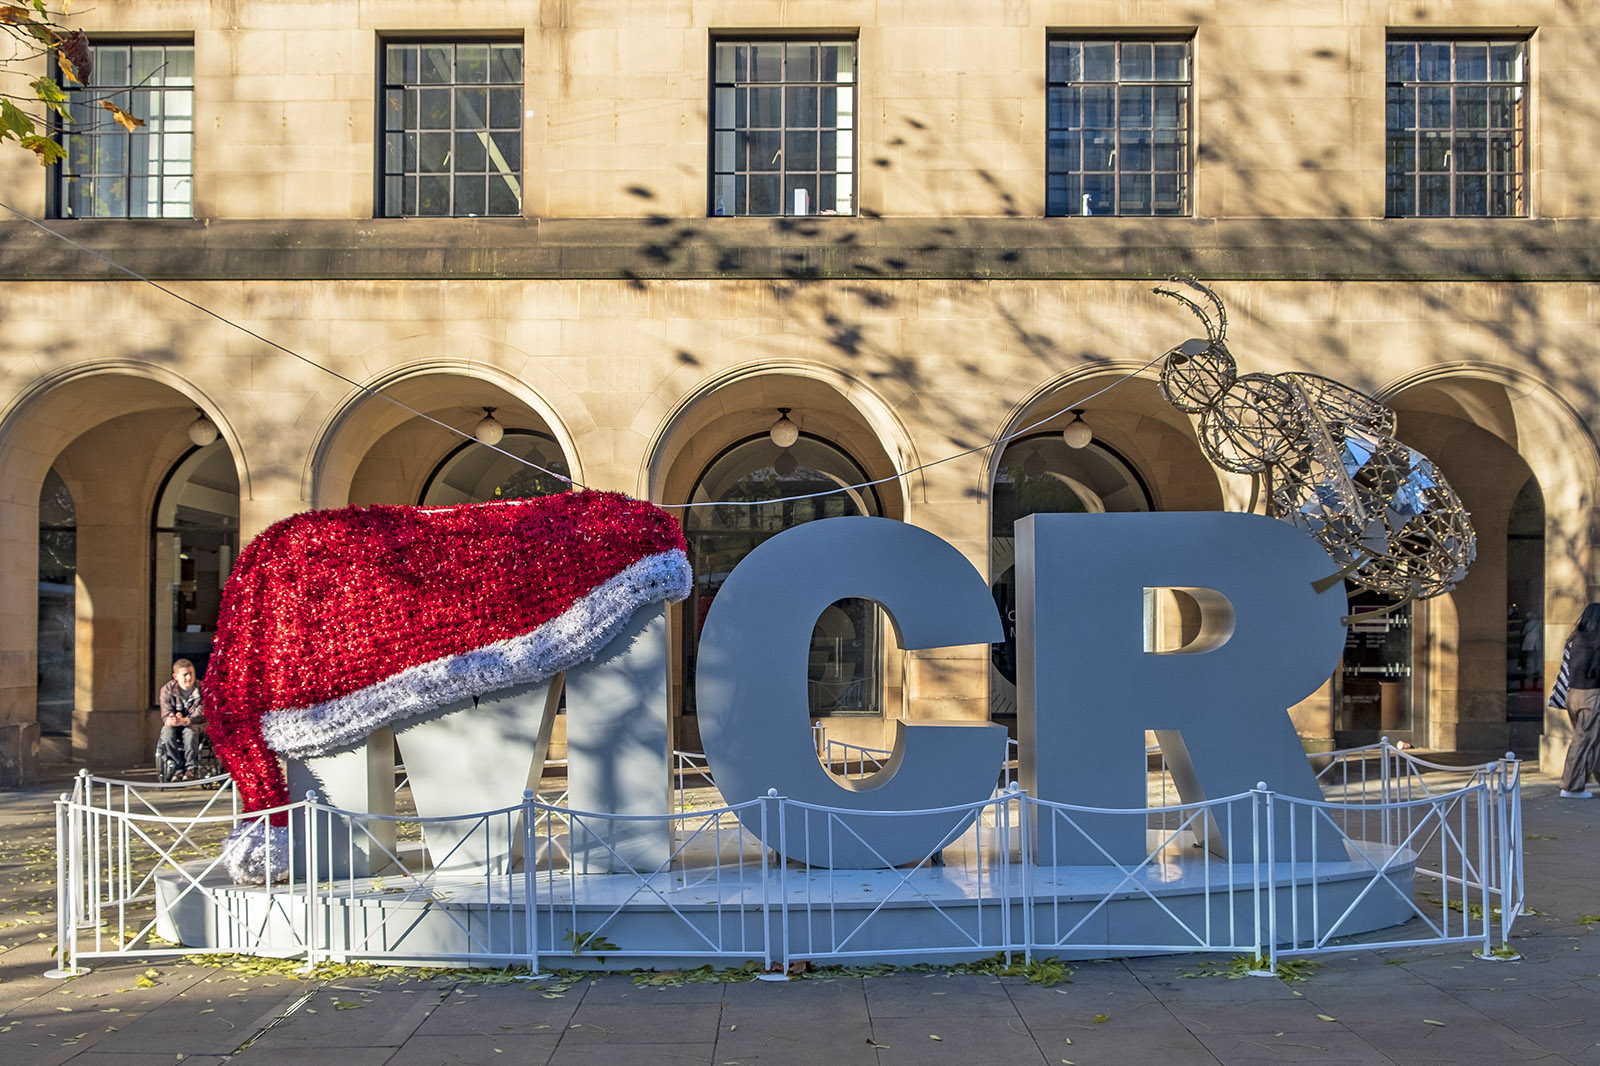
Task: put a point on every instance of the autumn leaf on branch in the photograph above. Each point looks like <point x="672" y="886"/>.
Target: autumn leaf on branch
<point x="125" y="120"/>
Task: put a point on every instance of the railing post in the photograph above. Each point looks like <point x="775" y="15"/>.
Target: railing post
<point x="1025" y="824"/>
<point x="310" y="871"/>
<point x="66" y="893"/>
<point x="783" y="889"/>
<point x="530" y="881"/>
<point x="1263" y="810"/>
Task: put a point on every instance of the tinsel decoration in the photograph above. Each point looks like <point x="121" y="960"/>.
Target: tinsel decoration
<point x="334" y="623"/>
<point x="1329" y="459"/>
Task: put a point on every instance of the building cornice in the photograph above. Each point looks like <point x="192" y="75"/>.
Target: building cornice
<point x="822" y="248"/>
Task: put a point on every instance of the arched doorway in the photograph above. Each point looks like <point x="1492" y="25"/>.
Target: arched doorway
<point x="1042" y="474"/>
<point x="472" y="473"/>
<point x="58" y="598"/>
<point x="194" y="540"/>
<point x="750" y="493"/>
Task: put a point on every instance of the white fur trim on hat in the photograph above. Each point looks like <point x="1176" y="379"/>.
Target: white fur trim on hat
<point x="570" y="638"/>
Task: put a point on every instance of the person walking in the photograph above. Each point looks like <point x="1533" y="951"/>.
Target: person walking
<point x="1581" y="668"/>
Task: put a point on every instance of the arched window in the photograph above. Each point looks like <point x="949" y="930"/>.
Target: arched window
<point x="194" y="538"/>
<point x="849" y="642"/>
<point x="1042" y="475"/>
<point x="58" y="580"/>
<point x="473" y="473"/>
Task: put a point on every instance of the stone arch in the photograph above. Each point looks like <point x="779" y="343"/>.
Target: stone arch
<point x="447" y="391"/>
<point x="113" y="429"/>
<point x="744" y="401"/>
<point x="1124" y="406"/>
<point x="1488" y="429"/>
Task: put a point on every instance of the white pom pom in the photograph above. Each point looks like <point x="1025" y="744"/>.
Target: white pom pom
<point x="255" y="848"/>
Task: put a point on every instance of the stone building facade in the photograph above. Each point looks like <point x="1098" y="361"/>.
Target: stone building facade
<point x="349" y="228"/>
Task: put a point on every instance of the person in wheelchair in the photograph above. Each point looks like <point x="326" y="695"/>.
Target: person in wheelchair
<point x="182" y="719"/>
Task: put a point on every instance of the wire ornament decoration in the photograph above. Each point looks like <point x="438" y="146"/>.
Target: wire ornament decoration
<point x="1327" y="459"/>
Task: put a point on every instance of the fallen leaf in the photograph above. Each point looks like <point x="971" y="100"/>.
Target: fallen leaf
<point x="1102" y="1017"/>
<point x="1327" y="1017"/>
<point x="932" y="1036"/>
<point x="1430" y="1021"/>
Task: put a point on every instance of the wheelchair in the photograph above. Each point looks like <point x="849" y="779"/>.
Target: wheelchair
<point x="170" y="769"/>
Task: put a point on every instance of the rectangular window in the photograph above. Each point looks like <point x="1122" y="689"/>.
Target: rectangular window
<point x="1457" y="128"/>
<point x="783" y="127"/>
<point x="146" y="172"/>
<point x="1117" y="127"/>
<point x="452" y="129"/>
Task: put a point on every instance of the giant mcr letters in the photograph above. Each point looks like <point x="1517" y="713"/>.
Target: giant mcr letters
<point x="1090" y="681"/>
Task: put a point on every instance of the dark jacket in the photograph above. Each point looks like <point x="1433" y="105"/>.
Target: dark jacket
<point x="1583" y="670"/>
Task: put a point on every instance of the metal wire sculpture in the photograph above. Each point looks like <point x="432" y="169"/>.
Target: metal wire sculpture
<point x="1328" y="460"/>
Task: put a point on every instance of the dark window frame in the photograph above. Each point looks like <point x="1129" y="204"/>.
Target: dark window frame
<point x="423" y="150"/>
<point x="1441" y="159"/>
<point x="1088" y="104"/>
<point x="94" y="129"/>
<point x="751" y="112"/>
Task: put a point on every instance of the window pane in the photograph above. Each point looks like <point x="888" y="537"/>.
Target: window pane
<point x="505" y="109"/>
<point x="723" y="59"/>
<point x="1401" y="61"/>
<point x="1099" y="105"/>
<point x="766" y="107"/>
<point x="762" y="195"/>
<point x="1472" y="107"/>
<point x="1472" y="61"/>
<point x="433" y="109"/>
<point x="1136" y="106"/>
<point x="400" y="64"/>
<point x="1099" y="61"/>
<point x="471" y="197"/>
<point x="1097" y="190"/>
<point x="436" y="65"/>
<point x="1064" y="61"/>
<point x="1172" y="62"/>
<point x="505" y="64"/>
<point x="1134" y="198"/>
<point x="1472" y="195"/>
<point x="800" y="107"/>
<point x="838" y="62"/>
<point x="766" y="62"/>
<point x="472" y="108"/>
<point x="472" y="64"/>
<point x="505" y="153"/>
<point x="1433" y="108"/>
<point x="503" y="199"/>
<point x="472" y="152"/>
<point x="1433" y="195"/>
<point x="1433" y="61"/>
<point x="1471" y="152"/>
<point x="765" y="150"/>
<point x="433" y="194"/>
<point x="802" y="59"/>
<point x="1506" y="62"/>
<point x="800" y="150"/>
<point x="1138" y="61"/>
<point x="433" y="152"/>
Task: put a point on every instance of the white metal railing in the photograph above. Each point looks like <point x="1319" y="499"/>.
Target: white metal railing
<point x="1440" y="847"/>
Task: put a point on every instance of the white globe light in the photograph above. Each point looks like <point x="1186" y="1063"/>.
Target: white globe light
<point x="1077" y="434"/>
<point x="202" y="431"/>
<point x="784" y="432"/>
<point x="489" y="430"/>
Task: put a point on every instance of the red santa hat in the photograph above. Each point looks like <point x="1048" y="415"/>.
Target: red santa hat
<point x="334" y="623"/>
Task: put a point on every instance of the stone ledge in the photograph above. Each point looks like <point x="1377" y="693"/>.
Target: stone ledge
<point x="817" y="248"/>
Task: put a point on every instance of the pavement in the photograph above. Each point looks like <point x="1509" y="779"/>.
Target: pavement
<point x="1410" y="1006"/>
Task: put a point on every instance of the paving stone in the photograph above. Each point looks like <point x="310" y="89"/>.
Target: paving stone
<point x="641" y="1023"/>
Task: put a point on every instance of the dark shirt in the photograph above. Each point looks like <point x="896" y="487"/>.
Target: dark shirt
<point x="175" y="700"/>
